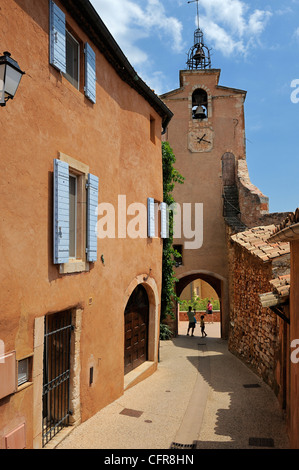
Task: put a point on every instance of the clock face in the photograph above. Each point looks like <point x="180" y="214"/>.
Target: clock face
<point x="200" y="140"/>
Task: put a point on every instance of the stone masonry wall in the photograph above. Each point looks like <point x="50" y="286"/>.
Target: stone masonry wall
<point x="253" y="203"/>
<point x="254" y="331"/>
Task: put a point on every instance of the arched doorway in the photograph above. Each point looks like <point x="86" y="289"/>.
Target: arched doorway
<point x="136" y="329"/>
<point x="218" y="283"/>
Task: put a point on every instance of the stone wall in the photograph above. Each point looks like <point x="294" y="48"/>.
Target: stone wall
<point x="254" y="331"/>
<point x="253" y="203"/>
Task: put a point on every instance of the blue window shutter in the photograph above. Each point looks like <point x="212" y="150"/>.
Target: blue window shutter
<point x="61" y="212"/>
<point x="57" y="38"/>
<point x="164" y="228"/>
<point x="90" y="73"/>
<point x="92" y="206"/>
<point x="151" y="217"/>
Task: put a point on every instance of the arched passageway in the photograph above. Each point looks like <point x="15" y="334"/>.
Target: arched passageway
<point x="218" y="283"/>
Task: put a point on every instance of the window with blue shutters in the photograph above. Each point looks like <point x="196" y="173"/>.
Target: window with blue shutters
<point x="65" y="53"/>
<point x="157" y="219"/>
<point x="75" y="215"/>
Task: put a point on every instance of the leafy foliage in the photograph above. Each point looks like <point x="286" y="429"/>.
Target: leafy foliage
<point x="165" y="332"/>
<point x="198" y="304"/>
<point x="170" y="177"/>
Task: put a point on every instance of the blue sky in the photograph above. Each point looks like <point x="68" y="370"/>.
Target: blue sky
<point x="256" y="46"/>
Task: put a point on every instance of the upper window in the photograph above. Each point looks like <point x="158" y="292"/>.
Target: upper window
<point x="65" y="54"/>
<point x="72" y="60"/>
<point x="199" y="104"/>
<point x="153" y="129"/>
<point x="157" y="219"/>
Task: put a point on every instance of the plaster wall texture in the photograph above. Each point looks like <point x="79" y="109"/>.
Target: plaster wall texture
<point x="112" y="137"/>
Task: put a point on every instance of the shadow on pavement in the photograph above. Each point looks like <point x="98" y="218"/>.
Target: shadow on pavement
<point x="241" y="410"/>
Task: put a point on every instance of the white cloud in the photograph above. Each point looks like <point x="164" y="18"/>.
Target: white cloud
<point x="128" y="23"/>
<point x="229" y="13"/>
<point x="222" y="40"/>
<point x="257" y="22"/>
<point x="231" y="26"/>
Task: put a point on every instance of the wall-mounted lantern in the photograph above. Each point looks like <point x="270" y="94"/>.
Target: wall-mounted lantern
<point x="10" y="77"/>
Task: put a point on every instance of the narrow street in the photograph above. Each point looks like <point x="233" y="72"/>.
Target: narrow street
<point x="200" y="395"/>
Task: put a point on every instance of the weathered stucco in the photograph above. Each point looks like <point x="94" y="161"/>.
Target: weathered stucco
<point x="112" y="137"/>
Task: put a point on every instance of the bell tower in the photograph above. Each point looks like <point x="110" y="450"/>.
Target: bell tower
<point x="207" y="135"/>
<point x="199" y="54"/>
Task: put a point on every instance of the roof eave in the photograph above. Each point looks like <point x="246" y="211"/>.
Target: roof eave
<point x="288" y="234"/>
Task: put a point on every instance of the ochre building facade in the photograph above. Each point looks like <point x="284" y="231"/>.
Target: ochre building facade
<point x="83" y="130"/>
<point x="210" y="154"/>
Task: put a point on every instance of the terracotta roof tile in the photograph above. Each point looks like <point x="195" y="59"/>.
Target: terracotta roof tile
<point x="281" y="285"/>
<point x="293" y="218"/>
<point x="279" y="294"/>
<point x="255" y="240"/>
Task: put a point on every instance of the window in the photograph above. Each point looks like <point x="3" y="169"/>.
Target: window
<point x="153" y="130"/>
<point x="157" y="219"/>
<point x="24" y="371"/>
<point x="75" y="219"/>
<point x="73" y="215"/>
<point x="65" y="54"/>
<point x="72" y="60"/>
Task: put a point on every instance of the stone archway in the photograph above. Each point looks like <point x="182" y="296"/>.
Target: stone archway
<point x="219" y="284"/>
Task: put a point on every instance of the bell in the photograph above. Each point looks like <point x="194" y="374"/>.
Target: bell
<point x="199" y="113"/>
<point x="199" y="55"/>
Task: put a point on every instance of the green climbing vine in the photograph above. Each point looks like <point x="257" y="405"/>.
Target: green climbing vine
<point x="171" y="176"/>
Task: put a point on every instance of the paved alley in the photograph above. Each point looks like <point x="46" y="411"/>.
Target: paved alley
<point x="201" y="395"/>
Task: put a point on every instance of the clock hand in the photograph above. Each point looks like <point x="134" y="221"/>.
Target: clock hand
<point x="201" y="138"/>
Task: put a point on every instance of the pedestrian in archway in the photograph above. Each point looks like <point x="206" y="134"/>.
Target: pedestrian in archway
<point x="191" y="321"/>
<point x="202" y="325"/>
<point x="210" y="310"/>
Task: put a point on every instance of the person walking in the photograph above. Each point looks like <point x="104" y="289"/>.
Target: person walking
<point x="191" y="321"/>
<point x="202" y="326"/>
<point x="210" y="310"/>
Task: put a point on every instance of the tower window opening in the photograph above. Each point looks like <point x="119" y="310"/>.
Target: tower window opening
<point x="199" y="104"/>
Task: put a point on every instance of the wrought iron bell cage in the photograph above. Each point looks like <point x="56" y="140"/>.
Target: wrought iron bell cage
<point x="199" y="55"/>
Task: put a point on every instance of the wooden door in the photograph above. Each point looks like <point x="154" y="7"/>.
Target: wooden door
<point x="136" y="329"/>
